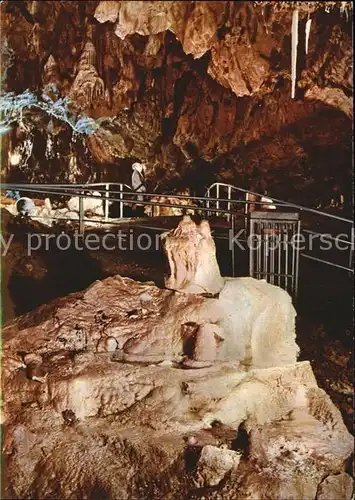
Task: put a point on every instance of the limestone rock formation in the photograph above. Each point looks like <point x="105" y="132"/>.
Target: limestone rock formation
<point x="151" y="324"/>
<point x="79" y="423"/>
<point x="192" y="258"/>
<point x="238" y="67"/>
<point x="336" y="486"/>
<point x="150" y="18"/>
<point x="196" y="90"/>
<point x="214" y="463"/>
<point x="107" y="11"/>
<point x="88" y="87"/>
<point x="98" y="403"/>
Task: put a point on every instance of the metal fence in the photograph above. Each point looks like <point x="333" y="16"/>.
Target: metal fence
<point x="274" y="249"/>
<point x="317" y="225"/>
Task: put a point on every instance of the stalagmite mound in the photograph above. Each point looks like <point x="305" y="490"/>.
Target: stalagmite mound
<point x="129" y="391"/>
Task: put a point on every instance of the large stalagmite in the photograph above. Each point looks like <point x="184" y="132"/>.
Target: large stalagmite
<point x="99" y="400"/>
<point x="192" y="258"/>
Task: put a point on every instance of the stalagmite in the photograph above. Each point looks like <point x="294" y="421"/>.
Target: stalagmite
<point x="192" y="258"/>
<point x="294" y="45"/>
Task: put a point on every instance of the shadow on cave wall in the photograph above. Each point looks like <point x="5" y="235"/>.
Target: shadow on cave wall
<point x="307" y="162"/>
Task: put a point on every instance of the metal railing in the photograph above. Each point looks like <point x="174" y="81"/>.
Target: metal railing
<point x="250" y="198"/>
<point x="122" y="187"/>
<point x="230" y="208"/>
<point x="275" y="201"/>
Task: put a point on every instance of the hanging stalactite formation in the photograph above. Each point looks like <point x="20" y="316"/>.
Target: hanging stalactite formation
<point x="141" y="83"/>
<point x="294" y="46"/>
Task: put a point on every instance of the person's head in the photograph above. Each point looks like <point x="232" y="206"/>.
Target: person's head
<point x="138" y="166"/>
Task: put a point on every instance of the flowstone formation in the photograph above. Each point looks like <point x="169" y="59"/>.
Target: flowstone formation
<point x="126" y="390"/>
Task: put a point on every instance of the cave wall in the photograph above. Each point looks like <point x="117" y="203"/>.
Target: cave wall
<point x="199" y="91"/>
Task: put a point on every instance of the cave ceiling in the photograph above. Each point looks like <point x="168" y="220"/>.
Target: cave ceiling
<point x="196" y="90"/>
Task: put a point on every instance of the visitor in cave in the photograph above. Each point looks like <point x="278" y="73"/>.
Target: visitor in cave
<point x="138" y="186"/>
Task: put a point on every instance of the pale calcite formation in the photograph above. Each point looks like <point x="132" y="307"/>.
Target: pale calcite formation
<point x="94" y="421"/>
<point x="192" y="258"/>
<point x="339" y="486"/>
<point x="100" y="401"/>
<point x="195" y="25"/>
<point x="213" y="465"/>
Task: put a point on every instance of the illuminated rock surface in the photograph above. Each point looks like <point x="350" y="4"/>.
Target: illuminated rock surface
<point x="196" y="90"/>
<point x="107" y="392"/>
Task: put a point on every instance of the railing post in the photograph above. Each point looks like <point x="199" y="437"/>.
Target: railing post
<point x="250" y="240"/>
<point x="297" y="250"/>
<point x="217" y="196"/>
<point x="351" y="252"/>
<point x="121" y="201"/>
<point x="246" y="209"/>
<point x="208" y="203"/>
<point x="229" y="203"/>
<point x="81" y="214"/>
<point x="107" y="195"/>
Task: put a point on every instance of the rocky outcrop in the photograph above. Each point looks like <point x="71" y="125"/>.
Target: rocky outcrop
<point x="127" y="390"/>
<point x="160" y="325"/>
<point x="196" y="34"/>
<point x="68" y="394"/>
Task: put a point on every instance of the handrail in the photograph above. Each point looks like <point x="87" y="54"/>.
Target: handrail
<point x="73" y="187"/>
<point x="77" y="190"/>
<point x="282" y="202"/>
<point x="73" y="190"/>
<point x="104" y="184"/>
<point x="29" y="187"/>
<point x="218" y="185"/>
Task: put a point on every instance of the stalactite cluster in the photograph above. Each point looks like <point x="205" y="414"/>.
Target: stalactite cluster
<point x="188" y="88"/>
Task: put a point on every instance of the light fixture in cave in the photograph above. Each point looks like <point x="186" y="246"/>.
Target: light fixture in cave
<point x="15" y="158"/>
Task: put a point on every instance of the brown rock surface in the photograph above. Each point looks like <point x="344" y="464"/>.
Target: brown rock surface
<point x="96" y="402"/>
<point x="188" y="87"/>
<point x="94" y="426"/>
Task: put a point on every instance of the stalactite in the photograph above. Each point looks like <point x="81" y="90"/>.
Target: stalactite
<point x="308" y="30"/>
<point x="7" y="58"/>
<point x="26" y="150"/>
<point x="51" y="77"/>
<point x="35" y="39"/>
<point x="294" y="44"/>
<point x="89" y="54"/>
<point x="344" y="8"/>
<point x="49" y="153"/>
<point x="34" y="7"/>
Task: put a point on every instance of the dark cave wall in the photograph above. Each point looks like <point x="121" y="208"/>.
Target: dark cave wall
<point x="209" y="101"/>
